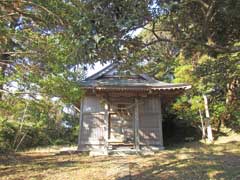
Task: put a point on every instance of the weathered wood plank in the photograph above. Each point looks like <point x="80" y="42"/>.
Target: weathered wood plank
<point x="160" y="124"/>
<point x="80" y="124"/>
<point x="136" y="125"/>
<point x="106" y="121"/>
<point x="92" y="105"/>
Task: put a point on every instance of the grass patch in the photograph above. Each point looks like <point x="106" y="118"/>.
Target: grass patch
<point x="195" y="160"/>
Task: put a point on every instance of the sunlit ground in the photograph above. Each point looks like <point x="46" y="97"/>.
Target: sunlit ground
<point x="194" y="160"/>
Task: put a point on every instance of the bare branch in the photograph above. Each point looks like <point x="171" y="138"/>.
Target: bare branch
<point x="45" y="9"/>
<point x="25" y="14"/>
<point x="217" y="48"/>
<point x="7" y="15"/>
<point x="12" y="53"/>
<point x="205" y="5"/>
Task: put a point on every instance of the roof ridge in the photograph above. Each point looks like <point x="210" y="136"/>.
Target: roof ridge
<point x="101" y="72"/>
<point x="113" y="65"/>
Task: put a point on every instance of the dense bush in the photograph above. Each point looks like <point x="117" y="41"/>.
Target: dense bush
<point x="7" y="134"/>
<point x="38" y="124"/>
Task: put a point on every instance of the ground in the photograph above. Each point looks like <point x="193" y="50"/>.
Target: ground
<point x="192" y="160"/>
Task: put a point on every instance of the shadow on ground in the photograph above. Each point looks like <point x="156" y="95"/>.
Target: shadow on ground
<point x="201" y="162"/>
<point x="185" y="161"/>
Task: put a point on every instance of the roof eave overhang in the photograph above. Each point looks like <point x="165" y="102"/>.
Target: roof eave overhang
<point x="136" y="88"/>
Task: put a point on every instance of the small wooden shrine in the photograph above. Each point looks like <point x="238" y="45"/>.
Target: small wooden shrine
<point x="123" y="109"/>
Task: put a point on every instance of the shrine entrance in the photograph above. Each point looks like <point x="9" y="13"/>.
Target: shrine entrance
<point x="121" y="122"/>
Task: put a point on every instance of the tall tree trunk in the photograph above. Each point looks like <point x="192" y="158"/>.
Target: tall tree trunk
<point x="232" y="91"/>
<point x="3" y="68"/>
<point x="231" y="99"/>
<point x="19" y="132"/>
<point x="219" y="125"/>
<point x="203" y="125"/>
<point x="208" y="124"/>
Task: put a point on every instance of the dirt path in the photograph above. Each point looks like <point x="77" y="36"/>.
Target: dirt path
<point x="191" y="161"/>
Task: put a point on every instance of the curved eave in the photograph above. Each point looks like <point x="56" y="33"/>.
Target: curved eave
<point x="137" y="88"/>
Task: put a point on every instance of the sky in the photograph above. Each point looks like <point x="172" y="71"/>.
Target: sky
<point x="97" y="67"/>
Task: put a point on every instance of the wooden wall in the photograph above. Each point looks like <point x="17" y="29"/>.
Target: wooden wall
<point x="149" y="121"/>
<point x="93" y="127"/>
<point x="94" y="130"/>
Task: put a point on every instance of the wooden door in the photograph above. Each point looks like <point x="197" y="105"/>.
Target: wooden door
<point x="121" y="128"/>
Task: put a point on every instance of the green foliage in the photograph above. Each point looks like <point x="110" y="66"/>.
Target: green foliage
<point x="40" y="72"/>
<point x="202" y="41"/>
<point x="44" y="46"/>
<point x="7" y="134"/>
<point x="36" y="124"/>
<point x="58" y="86"/>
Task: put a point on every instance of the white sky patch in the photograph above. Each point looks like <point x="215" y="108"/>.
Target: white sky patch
<point x="13" y="86"/>
<point x="68" y="110"/>
<point x="97" y="67"/>
<point x="135" y="32"/>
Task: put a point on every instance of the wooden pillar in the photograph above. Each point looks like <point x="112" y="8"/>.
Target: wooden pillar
<point x="106" y="121"/>
<point x="80" y="125"/>
<point x="136" y="124"/>
<point x="160" y="126"/>
<point x="208" y="124"/>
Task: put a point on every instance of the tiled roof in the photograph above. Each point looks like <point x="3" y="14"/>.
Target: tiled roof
<point x="144" y="82"/>
<point x="131" y="84"/>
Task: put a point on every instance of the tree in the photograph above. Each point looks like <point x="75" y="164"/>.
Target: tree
<point x="35" y="65"/>
<point x="43" y="44"/>
<point x="202" y="38"/>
